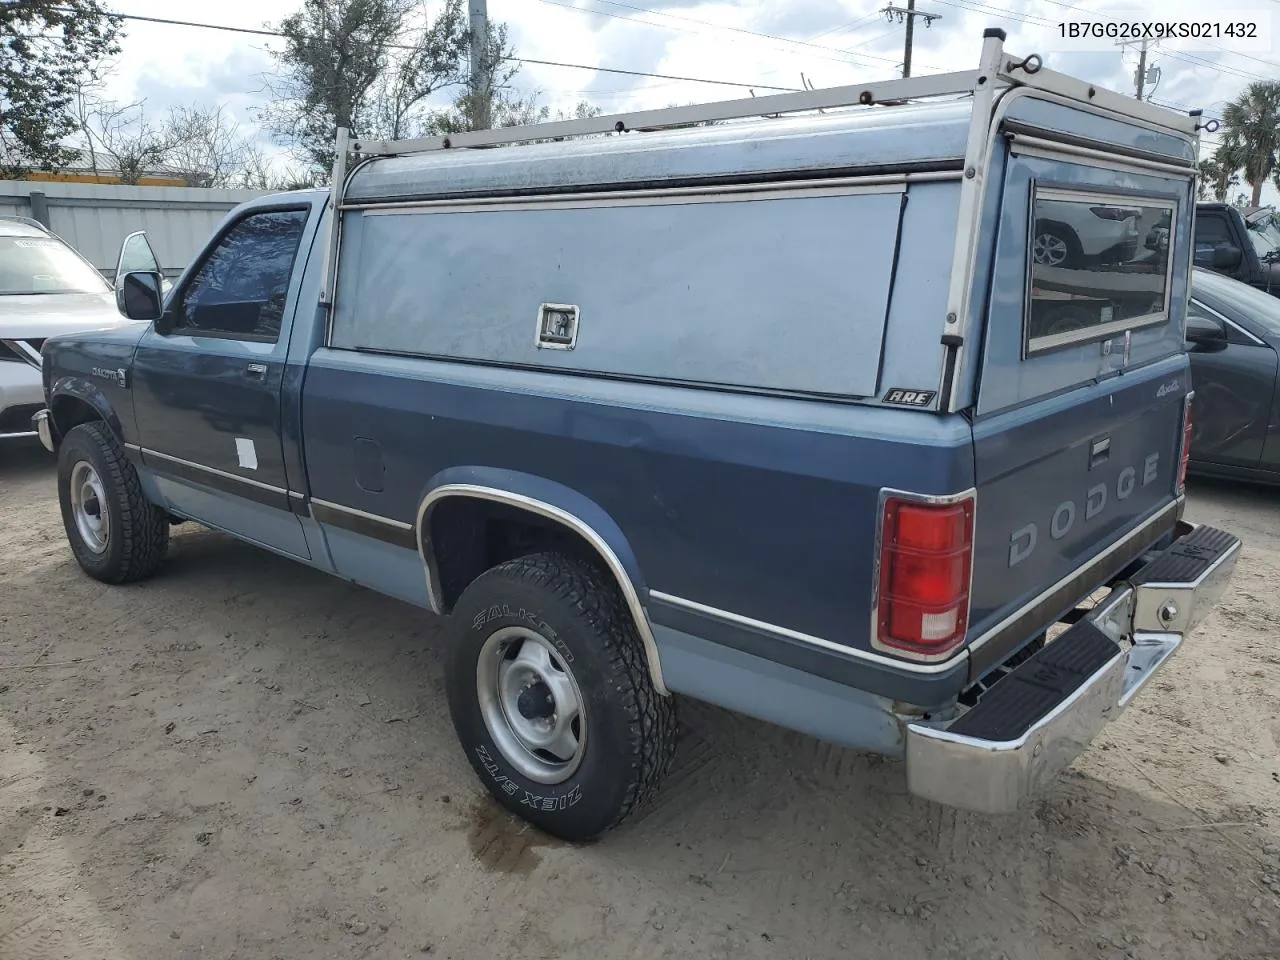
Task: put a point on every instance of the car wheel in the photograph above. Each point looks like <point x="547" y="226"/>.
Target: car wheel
<point x="551" y="696"/>
<point x="116" y="534"/>
<point x="1054" y="245"/>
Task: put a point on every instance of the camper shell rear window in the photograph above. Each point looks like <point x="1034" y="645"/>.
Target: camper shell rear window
<point x="1097" y="265"/>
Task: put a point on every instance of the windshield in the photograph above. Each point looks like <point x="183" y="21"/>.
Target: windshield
<point x="1264" y="234"/>
<point x="31" y="265"/>
<point x="1238" y="300"/>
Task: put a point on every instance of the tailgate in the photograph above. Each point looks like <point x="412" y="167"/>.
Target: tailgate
<point x="1063" y="484"/>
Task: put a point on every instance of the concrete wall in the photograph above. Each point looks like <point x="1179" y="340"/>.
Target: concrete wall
<point x="95" y="218"/>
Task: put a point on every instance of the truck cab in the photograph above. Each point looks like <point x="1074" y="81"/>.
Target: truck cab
<point x="1241" y="244"/>
<point x="800" y="413"/>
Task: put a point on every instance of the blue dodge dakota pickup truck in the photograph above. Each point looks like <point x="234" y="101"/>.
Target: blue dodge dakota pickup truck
<point x="790" y="412"/>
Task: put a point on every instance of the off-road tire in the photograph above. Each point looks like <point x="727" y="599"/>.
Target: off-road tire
<point x="630" y="728"/>
<point x="138" y="530"/>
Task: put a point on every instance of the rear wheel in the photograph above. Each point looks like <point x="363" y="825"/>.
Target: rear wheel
<point x="551" y="696"/>
<point x="116" y="534"/>
<point x="1055" y="245"/>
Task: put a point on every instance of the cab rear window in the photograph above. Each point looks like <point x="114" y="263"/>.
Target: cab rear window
<point x="1097" y="265"/>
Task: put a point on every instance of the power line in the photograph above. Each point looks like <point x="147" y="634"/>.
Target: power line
<point x="873" y="15"/>
<point x="702" y="33"/>
<point x="398" y="46"/>
<point x="743" y="30"/>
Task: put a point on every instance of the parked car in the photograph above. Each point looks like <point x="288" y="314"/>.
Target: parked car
<point x="46" y="288"/>
<point x="1073" y="234"/>
<point x="1233" y="332"/>
<point x="1241" y="244"/>
<point x="652" y="408"/>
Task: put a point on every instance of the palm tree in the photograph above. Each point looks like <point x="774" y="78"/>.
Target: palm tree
<point x="1251" y="134"/>
<point x="1218" y="176"/>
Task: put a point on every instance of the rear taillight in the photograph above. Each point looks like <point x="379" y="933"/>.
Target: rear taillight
<point x="1184" y="456"/>
<point x="926" y="565"/>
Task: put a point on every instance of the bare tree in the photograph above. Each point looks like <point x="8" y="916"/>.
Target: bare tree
<point x="368" y="65"/>
<point x="206" y="147"/>
<point x="126" y="137"/>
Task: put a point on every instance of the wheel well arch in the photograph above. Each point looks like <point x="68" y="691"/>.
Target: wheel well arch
<point x="70" y="409"/>
<point x="464" y="529"/>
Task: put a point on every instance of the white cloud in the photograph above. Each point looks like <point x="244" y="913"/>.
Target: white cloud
<point x="847" y="41"/>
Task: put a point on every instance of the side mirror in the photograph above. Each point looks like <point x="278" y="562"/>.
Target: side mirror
<point x="1205" y="335"/>
<point x="136" y="255"/>
<point x="1226" y="257"/>
<point x="139" y="295"/>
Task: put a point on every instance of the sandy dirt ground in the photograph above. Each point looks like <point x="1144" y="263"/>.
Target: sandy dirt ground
<point x="246" y="759"/>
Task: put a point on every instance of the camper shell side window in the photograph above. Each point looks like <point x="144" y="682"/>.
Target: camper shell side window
<point x="1098" y="264"/>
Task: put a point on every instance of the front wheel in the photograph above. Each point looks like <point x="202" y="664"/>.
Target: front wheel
<point x="116" y="534"/>
<point x="551" y="696"/>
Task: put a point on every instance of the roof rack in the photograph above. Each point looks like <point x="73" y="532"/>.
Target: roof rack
<point x="1008" y="72"/>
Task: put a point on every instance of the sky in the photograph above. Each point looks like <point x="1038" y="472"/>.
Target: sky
<point x="762" y="43"/>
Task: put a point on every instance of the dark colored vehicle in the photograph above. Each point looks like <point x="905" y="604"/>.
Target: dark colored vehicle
<point x="1243" y="245"/>
<point x="1233" y="333"/>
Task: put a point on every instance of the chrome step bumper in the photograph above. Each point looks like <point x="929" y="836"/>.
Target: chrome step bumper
<point x="1038" y="718"/>
<point x="43" y="429"/>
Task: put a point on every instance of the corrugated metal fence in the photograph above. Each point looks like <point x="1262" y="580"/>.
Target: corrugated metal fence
<point x="95" y="218"/>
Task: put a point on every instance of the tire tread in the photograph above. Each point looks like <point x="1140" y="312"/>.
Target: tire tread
<point x="652" y="722"/>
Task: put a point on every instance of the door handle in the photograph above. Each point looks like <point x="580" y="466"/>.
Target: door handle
<point x="256" y="371"/>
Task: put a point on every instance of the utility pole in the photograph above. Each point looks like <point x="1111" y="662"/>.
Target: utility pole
<point x="908" y="14"/>
<point x="481" y="95"/>
<point x="1143" y="74"/>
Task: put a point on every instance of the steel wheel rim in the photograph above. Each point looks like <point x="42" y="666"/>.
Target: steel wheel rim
<point x="1049" y="249"/>
<point x="531" y="704"/>
<point x="89" y="506"/>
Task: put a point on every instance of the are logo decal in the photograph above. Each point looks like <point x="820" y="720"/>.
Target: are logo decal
<point x="901" y="397"/>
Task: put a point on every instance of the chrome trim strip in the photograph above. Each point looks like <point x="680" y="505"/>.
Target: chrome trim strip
<point x="636" y="608"/>
<point x="15" y="436"/>
<point x="622" y="197"/>
<point x="1021" y="143"/>
<point x="739" y="620"/>
<point x="943" y="500"/>
<point x="1097" y="561"/>
<point x="1225" y="319"/>
<point x="147" y="452"/>
<point x="26" y="351"/>
<point x="398" y="524"/>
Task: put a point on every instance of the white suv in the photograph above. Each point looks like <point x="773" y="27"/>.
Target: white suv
<point x="46" y="287"/>
<point x="1072" y="235"/>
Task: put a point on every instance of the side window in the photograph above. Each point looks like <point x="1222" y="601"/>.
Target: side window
<point x="1099" y="265"/>
<point x="1211" y="233"/>
<point x="239" y="290"/>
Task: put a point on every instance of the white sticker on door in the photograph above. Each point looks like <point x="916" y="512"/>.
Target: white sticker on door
<point x="247" y="454"/>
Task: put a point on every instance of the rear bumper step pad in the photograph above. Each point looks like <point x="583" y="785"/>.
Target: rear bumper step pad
<point x="1032" y="723"/>
<point x="1025" y="696"/>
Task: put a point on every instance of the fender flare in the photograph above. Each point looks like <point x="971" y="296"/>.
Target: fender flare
<point x="86" y="392"/>
<point x="551" y="501"/>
